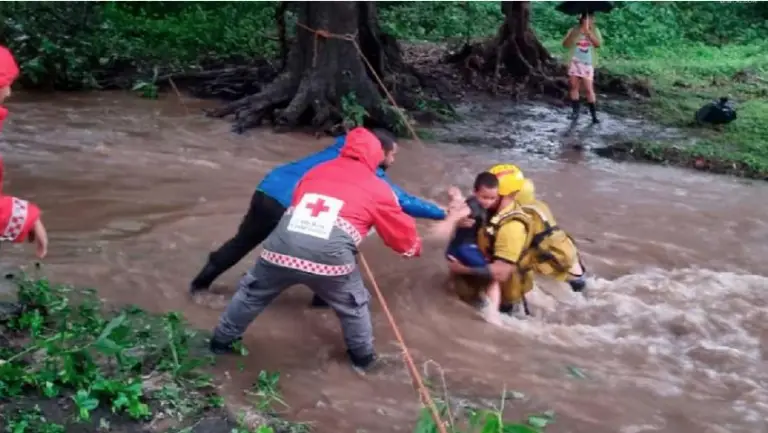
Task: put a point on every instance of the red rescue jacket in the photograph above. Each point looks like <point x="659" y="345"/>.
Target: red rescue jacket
<point x="368" y="200"/>
<point x="9" y="70"/>
<point x="17" y="216"/>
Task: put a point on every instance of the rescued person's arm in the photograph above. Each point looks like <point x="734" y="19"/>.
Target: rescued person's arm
<point x="509" y="245"/>
<point x="444" y="229"/>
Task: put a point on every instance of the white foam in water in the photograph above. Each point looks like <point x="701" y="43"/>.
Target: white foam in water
<point x="696" y="330"/>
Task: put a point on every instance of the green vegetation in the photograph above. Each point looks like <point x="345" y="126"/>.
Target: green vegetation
<point x="66" y="364"/>
<point x="690" y="53"/>
<point x="473" y="420"/>
<point x="76" y="45"/>
<point x="458" y="417"/>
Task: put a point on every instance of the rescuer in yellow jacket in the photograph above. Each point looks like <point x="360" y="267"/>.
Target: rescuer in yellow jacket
<point x="519" y="240"/>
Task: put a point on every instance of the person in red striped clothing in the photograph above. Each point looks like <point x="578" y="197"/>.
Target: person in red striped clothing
<point x="19" y="219"/>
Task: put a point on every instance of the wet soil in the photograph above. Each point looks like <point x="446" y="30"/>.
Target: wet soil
<point x="543" y="129"/>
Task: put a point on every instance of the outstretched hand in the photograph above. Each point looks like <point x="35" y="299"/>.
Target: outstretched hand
<point x="456" y="215"/>
<point x="455" y="193"/>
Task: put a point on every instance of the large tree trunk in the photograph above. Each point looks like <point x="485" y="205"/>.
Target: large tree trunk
<point x="517" y="45"/>
<point x="322" y="69"/>
<point x="515" y="52"/>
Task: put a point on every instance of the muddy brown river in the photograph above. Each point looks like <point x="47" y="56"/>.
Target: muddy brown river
<point x="671" y="338"/>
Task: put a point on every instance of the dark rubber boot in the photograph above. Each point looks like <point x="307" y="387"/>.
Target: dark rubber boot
<point x="318" y="302"/>
<point x="507" y="309"/>
<point x="593" y="112"/>
<point x="204" y="279"/>
<point x="220" y="348"/>
<point x="363" y="362"/>
<point x="578" y="284"/>
<point x="576" y="106"/>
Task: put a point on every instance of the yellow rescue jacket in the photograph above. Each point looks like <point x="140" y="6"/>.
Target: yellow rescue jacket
<point x="548" y="249"/>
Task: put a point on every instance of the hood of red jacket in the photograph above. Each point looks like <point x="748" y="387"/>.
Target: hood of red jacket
<point x="363" y="146"/>
<point x="9" y="70"/>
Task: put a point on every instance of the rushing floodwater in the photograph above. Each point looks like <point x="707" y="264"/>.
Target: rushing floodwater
<point x="671" y="338"/>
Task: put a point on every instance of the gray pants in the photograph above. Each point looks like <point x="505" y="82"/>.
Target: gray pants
<point x="346" y="294"/>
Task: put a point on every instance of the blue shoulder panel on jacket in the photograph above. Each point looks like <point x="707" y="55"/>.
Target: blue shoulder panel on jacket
<point x="414" y="206"/>
<point x="282" y="180"/>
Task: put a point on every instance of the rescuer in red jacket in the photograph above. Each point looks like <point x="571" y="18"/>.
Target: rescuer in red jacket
<point x="333" y="208"/>
<point x="19" y="219"/>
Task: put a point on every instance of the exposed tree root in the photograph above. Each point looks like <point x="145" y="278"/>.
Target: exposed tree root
<point x="226" y="82"/>
<point x="325" y="67"/>
<point x="514" y="61"/>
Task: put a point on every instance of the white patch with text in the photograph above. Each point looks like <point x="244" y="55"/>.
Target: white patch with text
<point x="315" y="215"/>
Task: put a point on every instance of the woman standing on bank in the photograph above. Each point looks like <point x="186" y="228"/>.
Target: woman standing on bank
<point x="582" y="41"/>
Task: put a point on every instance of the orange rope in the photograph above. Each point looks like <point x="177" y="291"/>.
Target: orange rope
<point x="353" y="38"/>
<point x="418" y="381"/>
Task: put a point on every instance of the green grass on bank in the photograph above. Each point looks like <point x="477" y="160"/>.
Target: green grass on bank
<point x="686" y="78"/>
<point x="69" y="364"/>
<point x="688" y="51"/>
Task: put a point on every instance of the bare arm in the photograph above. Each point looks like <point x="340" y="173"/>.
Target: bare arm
<point x="501" y="271"/>
<point x="457" y="216"/>
<point x="40" y="237"/>
<point x="596" y="42"/>
<point x="570" y="38"/>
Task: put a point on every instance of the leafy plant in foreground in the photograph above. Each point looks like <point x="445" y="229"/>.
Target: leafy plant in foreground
<point x="476" y="420"/>
<point x="72" y="349"/>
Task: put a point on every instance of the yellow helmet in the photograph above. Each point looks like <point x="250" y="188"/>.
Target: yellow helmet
<point x="510" y="178"/>
<point x="527" y="193"/>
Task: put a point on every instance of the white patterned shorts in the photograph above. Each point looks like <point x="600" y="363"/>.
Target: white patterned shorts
<point x="581" y="70"/>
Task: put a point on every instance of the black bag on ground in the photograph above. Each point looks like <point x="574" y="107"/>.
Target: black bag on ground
<point x="717" y="112"/>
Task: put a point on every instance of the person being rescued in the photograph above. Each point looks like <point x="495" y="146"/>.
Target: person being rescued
<point x="519" y="240"/>
<point x="19" y="219"/>
<point x="463" y="246"/>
